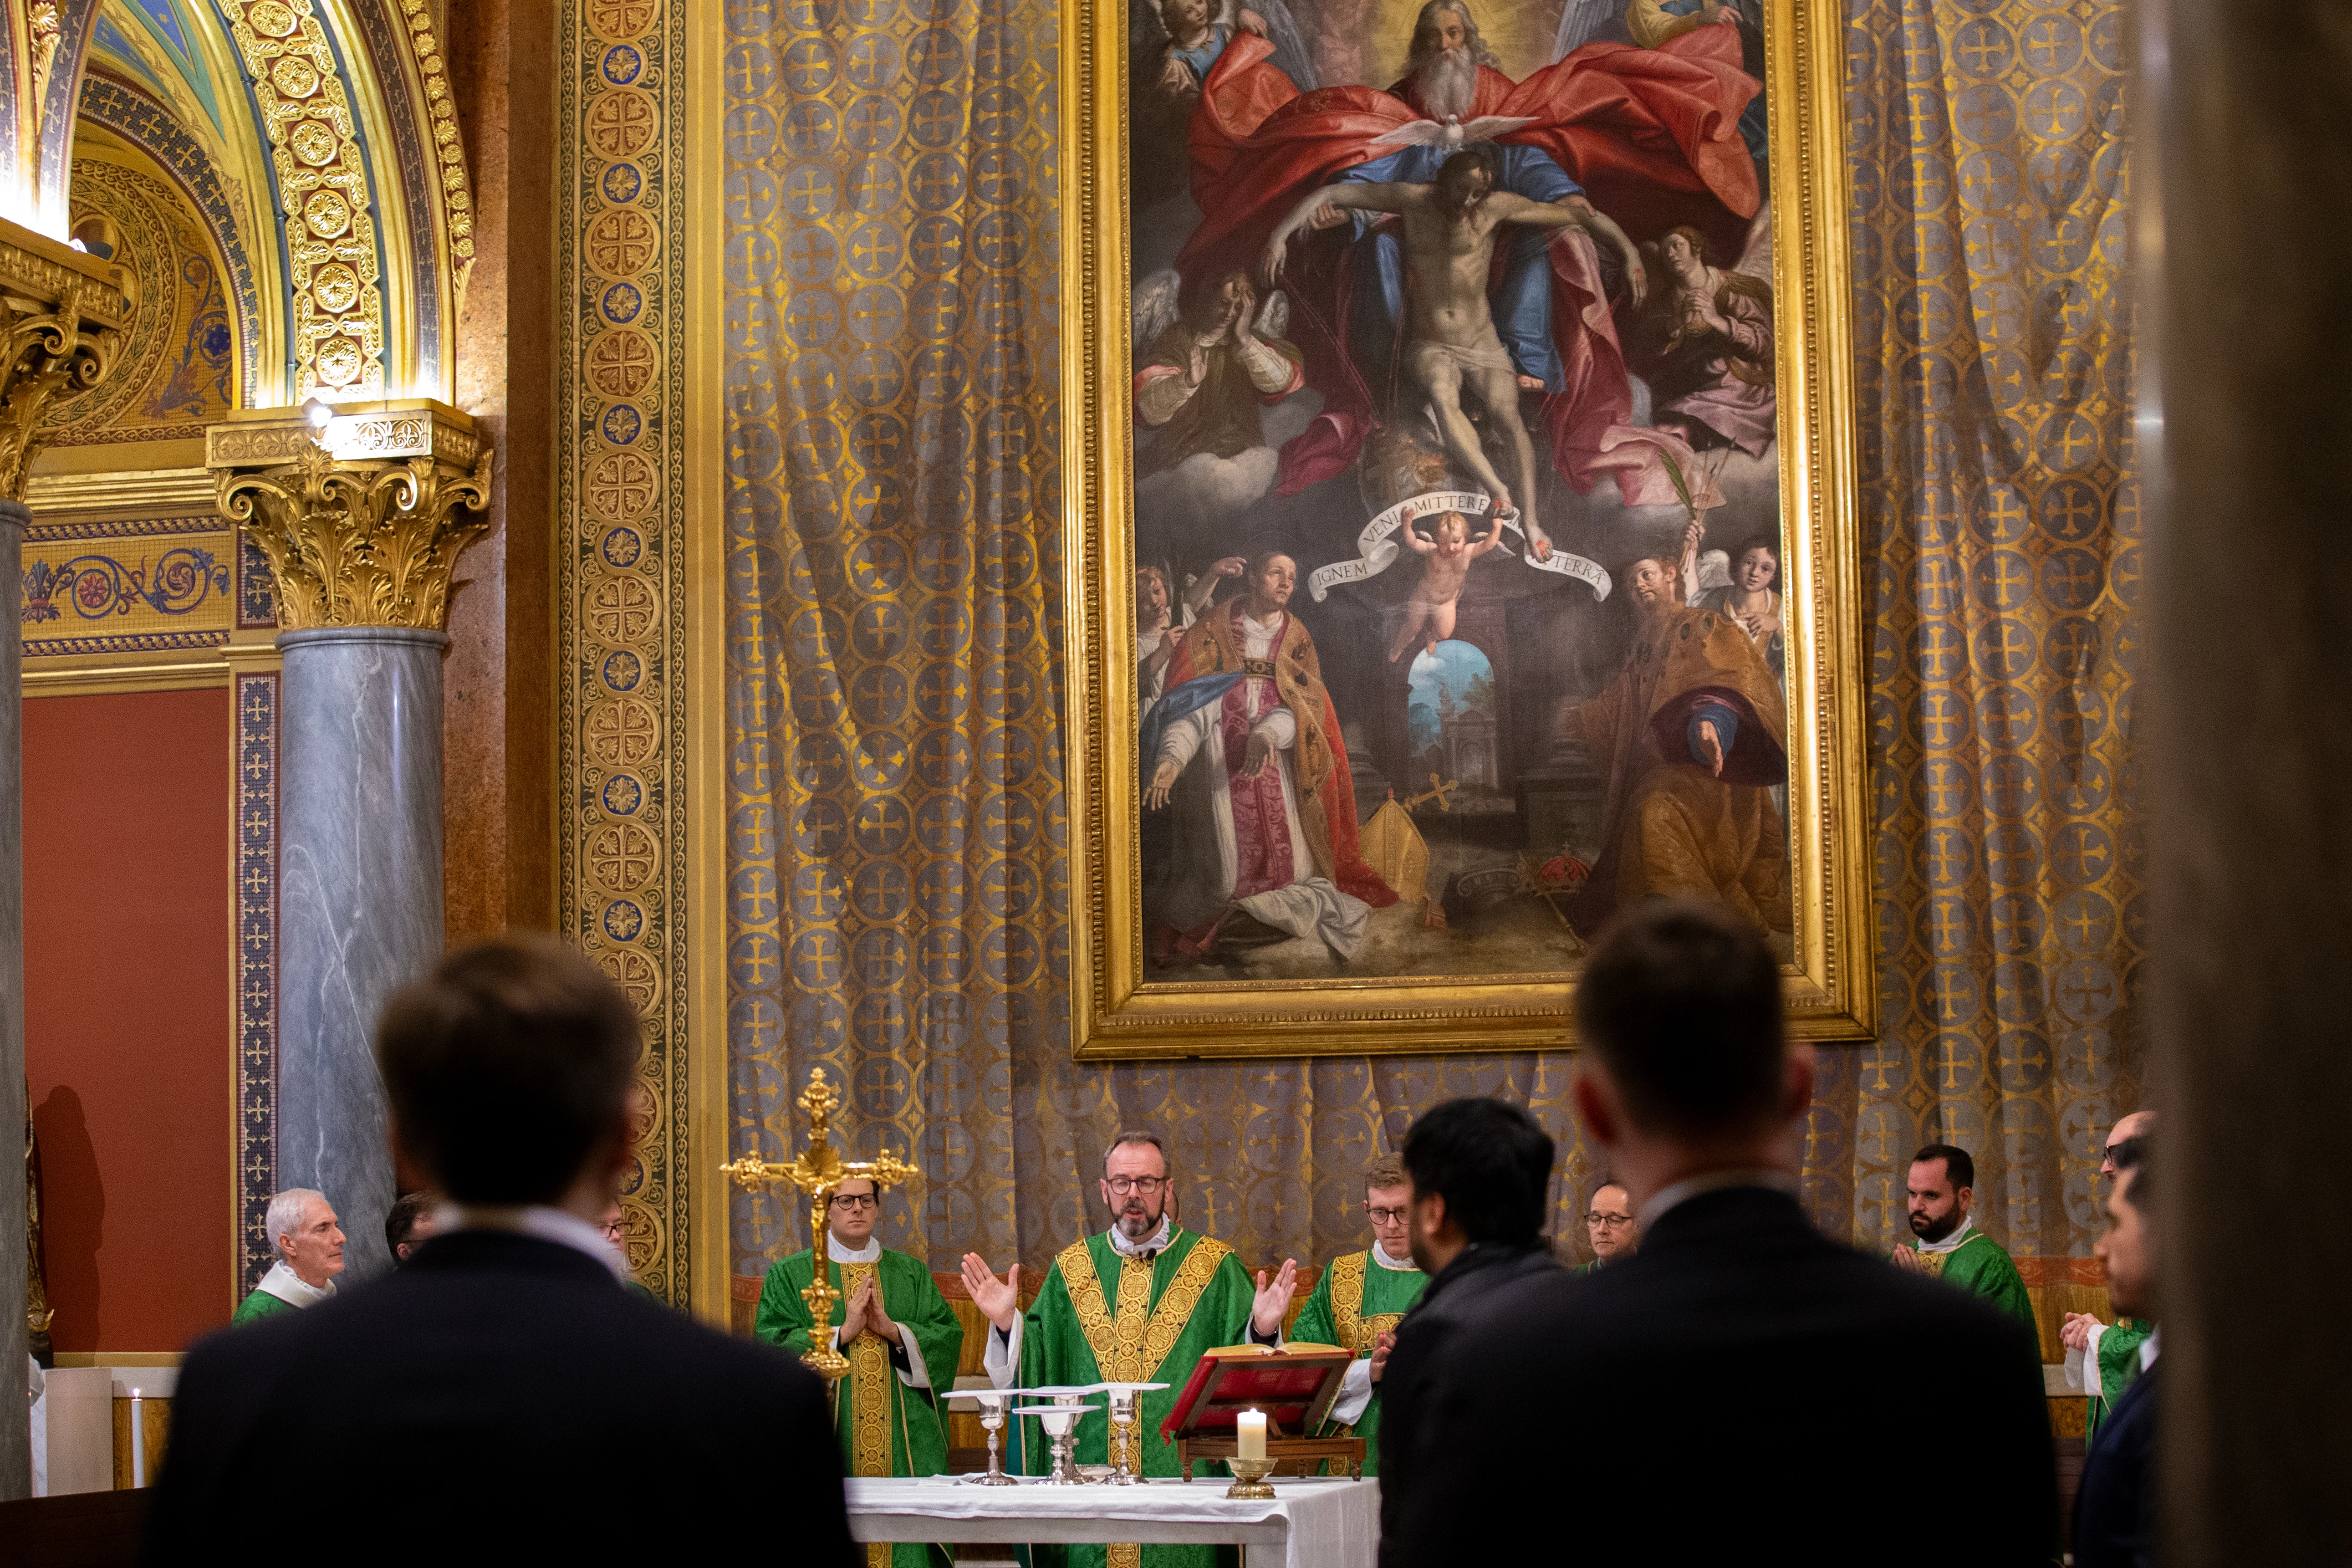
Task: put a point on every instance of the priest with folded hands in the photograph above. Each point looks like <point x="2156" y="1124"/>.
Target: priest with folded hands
<point x="1140" y="1302"/>
<point x="902" y="1342"/>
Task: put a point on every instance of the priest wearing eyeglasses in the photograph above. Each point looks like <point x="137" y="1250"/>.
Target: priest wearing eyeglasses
<point x="1137" y="1304"/>
<point x="1361" y="1300"/>
<point x="902" y="1342"/>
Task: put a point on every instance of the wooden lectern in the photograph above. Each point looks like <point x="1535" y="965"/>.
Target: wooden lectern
<point x="1295" y="1386"/>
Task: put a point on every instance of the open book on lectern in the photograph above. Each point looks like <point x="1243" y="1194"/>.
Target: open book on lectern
<point x="1293" y="1385"/>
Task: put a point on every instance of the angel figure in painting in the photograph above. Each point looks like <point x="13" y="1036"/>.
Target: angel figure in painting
<point x="1704" y="343"/>
<point x="1445" y="558"/>
<point x="1450" y="230"/>
<point x="1211" y="362"/>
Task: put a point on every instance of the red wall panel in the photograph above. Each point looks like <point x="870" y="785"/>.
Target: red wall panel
<point x="129" y="1043"/>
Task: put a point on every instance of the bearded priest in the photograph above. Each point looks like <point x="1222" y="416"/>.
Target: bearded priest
<point x="902" y="1341"/>
<point x="1137" y="1304"/>
<point x="1361" y="1300"/>
<point x="1941" y="1190"/>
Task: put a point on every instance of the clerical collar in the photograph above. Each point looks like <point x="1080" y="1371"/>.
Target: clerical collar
<point x="541" y="1220"/>
<point x="1406" y="1266"/>
<point x="290" y="1288"/>
<point x="1155" y="1243"/>
<point x="1952" y="1242"/>
<point x="840" y="1251"/>
<point x="1681" y="1192"/>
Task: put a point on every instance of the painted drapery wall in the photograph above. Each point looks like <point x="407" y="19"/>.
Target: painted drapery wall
<point x="897" y="903"/>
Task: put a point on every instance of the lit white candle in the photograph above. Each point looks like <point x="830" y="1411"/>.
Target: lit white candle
<point x="138" y="1439"/>
<point x="1249" y="1434"/>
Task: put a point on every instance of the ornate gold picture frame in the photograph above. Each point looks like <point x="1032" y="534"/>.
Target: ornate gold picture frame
<point x="1413" y="858"/>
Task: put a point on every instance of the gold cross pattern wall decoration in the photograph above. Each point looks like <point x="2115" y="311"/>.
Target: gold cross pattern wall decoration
<point x="819" y="1171"/>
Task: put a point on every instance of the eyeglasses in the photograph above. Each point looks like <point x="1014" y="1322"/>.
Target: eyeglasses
<point x="1122" y="1185"/>
<point x="1386" y="1216"/>
<point x="1610" y="1220"/>
<point x="856" y="1201"/>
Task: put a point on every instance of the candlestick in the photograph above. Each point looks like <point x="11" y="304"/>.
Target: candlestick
<point x="1249" y="1434"/>
<point x="138" y="1439"/>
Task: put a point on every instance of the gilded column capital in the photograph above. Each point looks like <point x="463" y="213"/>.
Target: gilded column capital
<point x="362" y="513"/>
<point x="64" y="314"/>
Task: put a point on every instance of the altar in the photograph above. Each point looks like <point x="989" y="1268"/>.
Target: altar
<point x="1309" y="1522"/>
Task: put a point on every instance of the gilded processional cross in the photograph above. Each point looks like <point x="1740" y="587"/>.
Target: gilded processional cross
<point x="819" y="1171"/>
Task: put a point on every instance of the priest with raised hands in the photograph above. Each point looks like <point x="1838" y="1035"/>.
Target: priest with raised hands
<point x="1137" y="1304"/>
<point x="1361" y="1300"/>
<point x="902" y="1342"/>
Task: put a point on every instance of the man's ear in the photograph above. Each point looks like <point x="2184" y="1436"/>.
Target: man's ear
<point x="1596" y="1105"/>
<point x="1796" y="1080"/>
<point x="408" y="1174"/>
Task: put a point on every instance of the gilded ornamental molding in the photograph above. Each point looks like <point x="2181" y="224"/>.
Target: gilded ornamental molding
<point x="64" y="314"/>
<point x="361" y="515"/>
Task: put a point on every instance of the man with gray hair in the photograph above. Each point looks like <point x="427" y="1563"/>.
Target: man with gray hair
<point x="310" y="1247"/>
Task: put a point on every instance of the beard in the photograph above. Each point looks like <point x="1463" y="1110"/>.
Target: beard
<point x="1137" y="1221"/>
<point x="1447" y="81"/>
<point x="1933" y="1230"/>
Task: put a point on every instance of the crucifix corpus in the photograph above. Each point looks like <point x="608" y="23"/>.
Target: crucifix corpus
<point x="819" y="1171"/>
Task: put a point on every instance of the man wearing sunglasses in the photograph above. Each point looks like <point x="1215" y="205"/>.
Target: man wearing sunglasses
<point x="1361" y="1300"/>
<point x="902" y="1341"/>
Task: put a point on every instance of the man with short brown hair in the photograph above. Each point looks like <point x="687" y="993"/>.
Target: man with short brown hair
<point x="1361" y="1300"/>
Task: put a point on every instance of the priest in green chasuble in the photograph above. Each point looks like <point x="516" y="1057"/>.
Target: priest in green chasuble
<point x="1941" y="1190"/>
<point x="1139" y="1303"/>
<point x="902" y="1341"/>
<point x="310" y="1246"/>
<point x="2102" y="1359"/>
<point x="1358" y="1302"/>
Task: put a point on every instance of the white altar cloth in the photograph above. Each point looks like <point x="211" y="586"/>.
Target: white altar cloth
<point x="1309" y="1523"/>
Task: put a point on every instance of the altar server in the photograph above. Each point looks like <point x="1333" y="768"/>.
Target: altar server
<point x="1361" y="1300"/>
<point x="1137" y="1304"/>
<point x="902" y="1342"/>
<point x="310" y="1246"/>
<point x="1941" y="1188"/>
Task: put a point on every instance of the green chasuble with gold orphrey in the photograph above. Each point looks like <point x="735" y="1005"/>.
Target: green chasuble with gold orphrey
<point x="1982" y="1265"/>
<point x="259" y="1305"/>
<point x="1355" y="1303"/>
<point x="2118" y="1367"/>
<point x="1102" y="1317"/>
<point x="886" y="1427"/>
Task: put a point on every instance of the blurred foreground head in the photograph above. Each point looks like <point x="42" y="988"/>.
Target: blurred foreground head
<point x="509" y="1069"/>
<point x="1680" y="1006"/>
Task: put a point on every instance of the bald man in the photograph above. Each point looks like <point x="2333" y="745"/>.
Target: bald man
<point x="2104" y="1358"/>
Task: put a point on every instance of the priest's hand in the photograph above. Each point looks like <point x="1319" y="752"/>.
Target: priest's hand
<point x="853" y="1317"/>
<point x="878" y="1317"/>
<point x="2076" y="1334"/>
<point x="1907" y="1257"/>
<point x="1274" y="1300"/>
<point x="1381" y="1349"/>
<point x="998" y="1300"/>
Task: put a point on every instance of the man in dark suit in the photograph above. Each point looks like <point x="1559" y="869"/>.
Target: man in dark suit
<point x="1480" y="1169"/>
<point x="2114" y="1516"/>
<point x="1752" y="1389"/>
<point x="500" y="1393"/>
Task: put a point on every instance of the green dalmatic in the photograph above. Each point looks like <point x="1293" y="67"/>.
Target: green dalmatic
<point x="1103" y="1318"/>
<point x="1355" y="1303"/>
<point x="886" y="1427"/>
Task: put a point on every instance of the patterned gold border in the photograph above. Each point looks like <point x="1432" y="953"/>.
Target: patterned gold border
<point x="640" y="815"/>
<point x="323" y="193"/>
<point x="1113" y="1014"/>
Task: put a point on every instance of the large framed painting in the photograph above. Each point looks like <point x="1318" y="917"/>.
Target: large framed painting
<point x="1460" y="511"/>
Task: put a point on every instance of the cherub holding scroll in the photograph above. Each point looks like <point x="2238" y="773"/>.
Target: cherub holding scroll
<point x="1444" y="567"/>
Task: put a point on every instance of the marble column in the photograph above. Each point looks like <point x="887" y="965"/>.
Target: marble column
<point x="15" y="1436"/>
<point x="362" y="516"/>
<point x="358" y="901"/>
